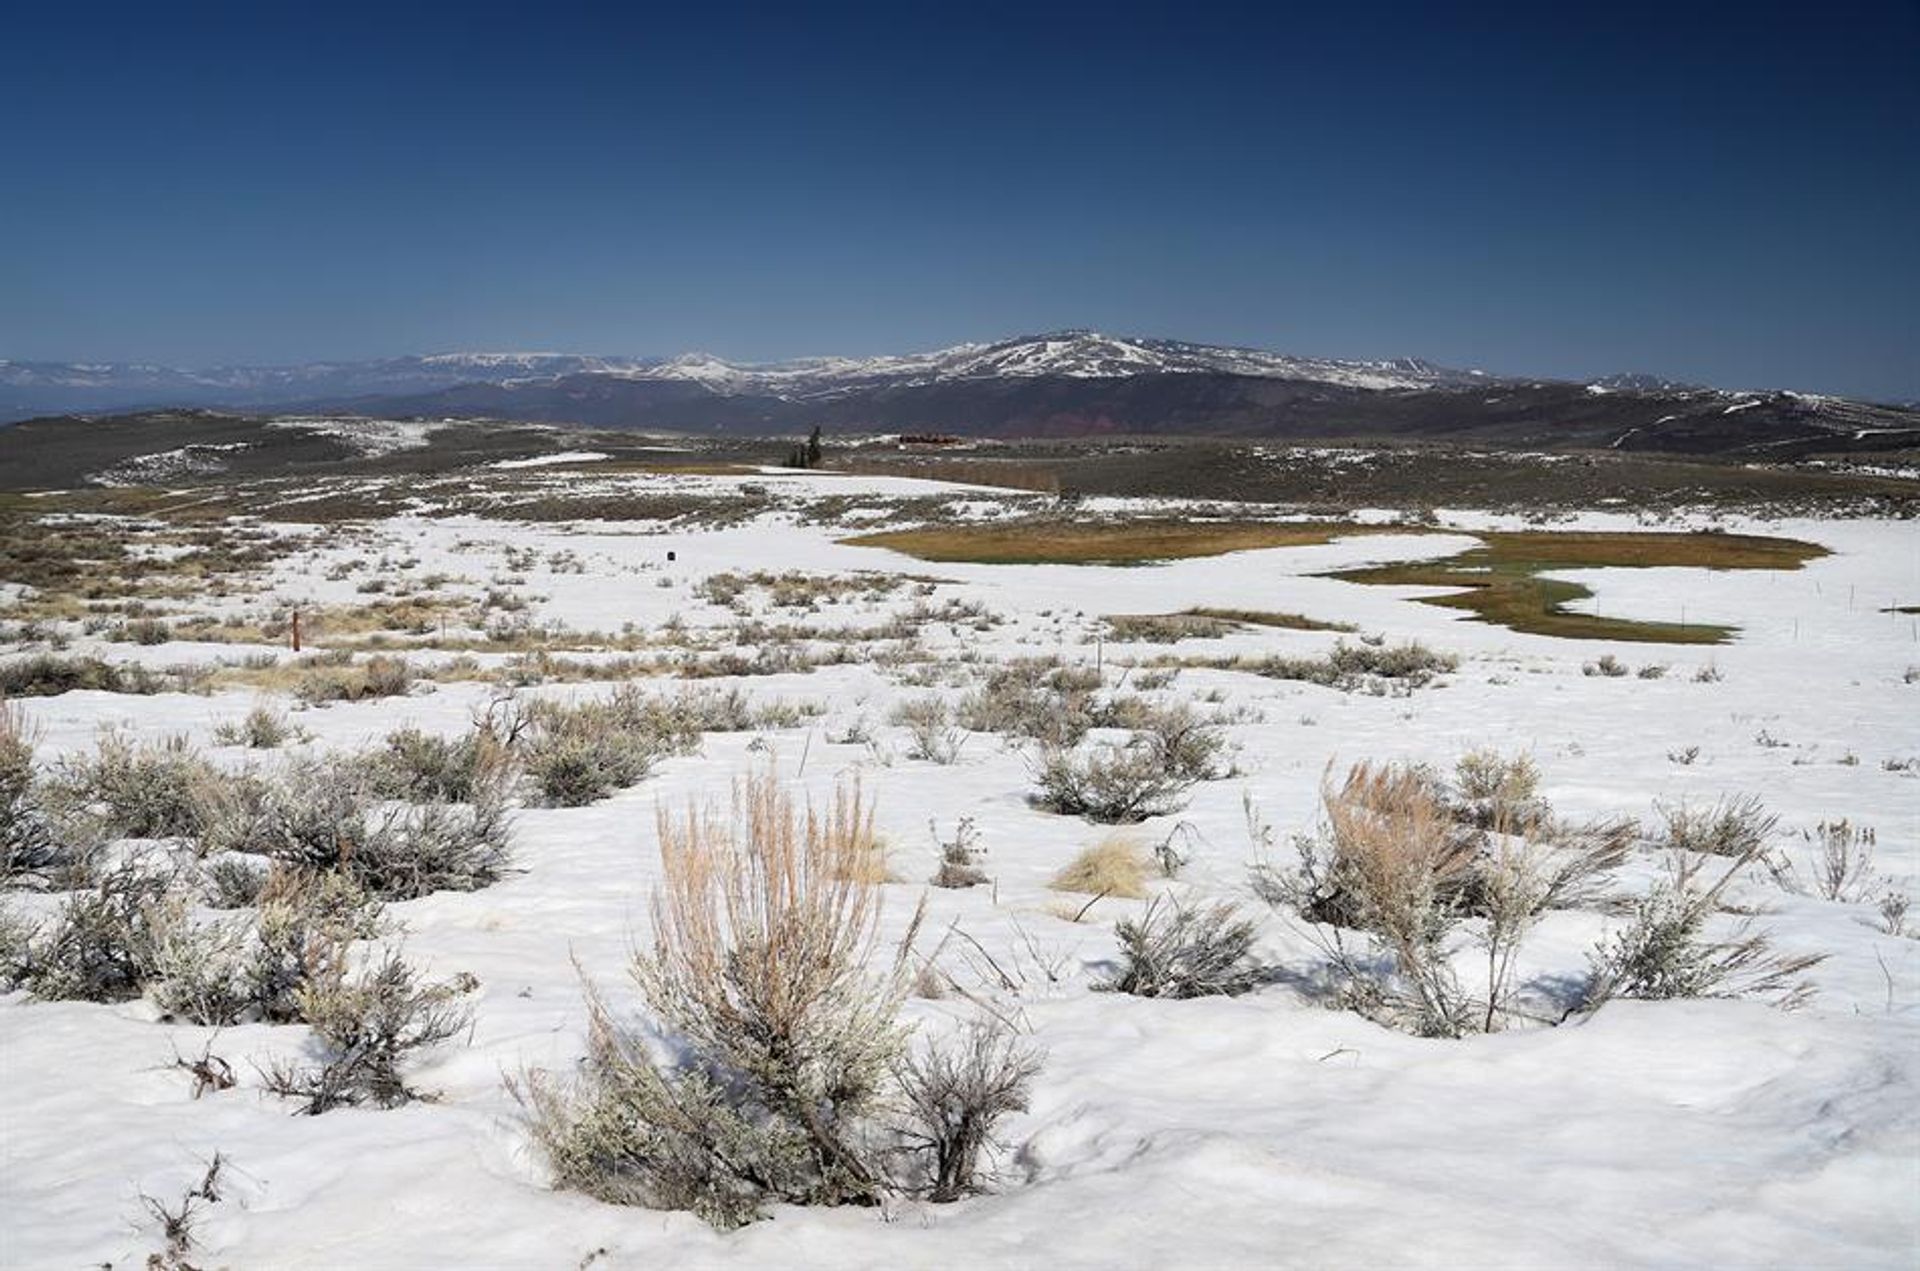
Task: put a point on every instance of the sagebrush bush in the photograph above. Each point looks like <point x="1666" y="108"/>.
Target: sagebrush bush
<point x="761" y="932"/>
<point x="264" y="728"/>
<point x="1180" y="952"/>
<point x="1663" y="952"/>
<point x="322" y="814"/>
<point x="1170" y="751"/>
<point x="129" y="790"/>
<point x="429" y="768"/>
<point x="101" y="945"/>
<point x="581" y="752"/>
<point x="929" y="725"/>
<point x="28" y="851"/>
<point x="1735" y="825"/>
<point x="1033" y="700"/>
<point x="49" y="675"/>
<point x="368" y="1025"/>
<point x="1352" y="666"/>
<point x="1495" y="789"/>
<point x="1112" y="867"/>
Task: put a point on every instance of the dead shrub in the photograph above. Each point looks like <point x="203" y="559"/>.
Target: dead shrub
<point x="1842" y="865"/>
<point x="953" y="1097"/>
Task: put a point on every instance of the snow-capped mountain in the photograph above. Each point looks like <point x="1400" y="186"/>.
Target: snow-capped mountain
<point x="29" y="386"/>
<point x="1068" y="354"/>
<point x="1064" y="383"/>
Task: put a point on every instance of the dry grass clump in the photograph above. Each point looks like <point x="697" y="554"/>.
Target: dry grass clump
<point x="1115" y="866"/>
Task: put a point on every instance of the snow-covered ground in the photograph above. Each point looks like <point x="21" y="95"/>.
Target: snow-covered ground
<point x="1262" y="1130"/>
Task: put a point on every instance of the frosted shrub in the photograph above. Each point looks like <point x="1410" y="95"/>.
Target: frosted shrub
<point x="578" y="754"/>
<point x="263" y="729"/>
<point x="1664" y="952"/>
<point x="1842" y="865"/>
<point x="929" y="725"/>
<point x="322" y="814"/>
<point x="784" y="1041"/>
<point x="367" y="1026"/>
<point x="952" y="1098"/>
<point x="1175" y="951"/>
<point x="129" y="790"/>
<point x="28" y="852"/>
<point x="1737" y="826"/>
<point x="102" y="944"/>
<point x="1497" y="790"/>
<point x="1146" y="776"/>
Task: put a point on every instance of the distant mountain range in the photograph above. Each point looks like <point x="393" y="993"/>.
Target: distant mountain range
<point x="1067" y="383"/>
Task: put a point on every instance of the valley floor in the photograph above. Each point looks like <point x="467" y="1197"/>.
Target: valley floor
<point x="1268" y="1129"/>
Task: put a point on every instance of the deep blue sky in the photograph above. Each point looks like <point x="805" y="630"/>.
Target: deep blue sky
<point x="1725" y="192"/>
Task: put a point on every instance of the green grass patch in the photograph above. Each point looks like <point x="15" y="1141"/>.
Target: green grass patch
<point x="1500" y="581"/>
